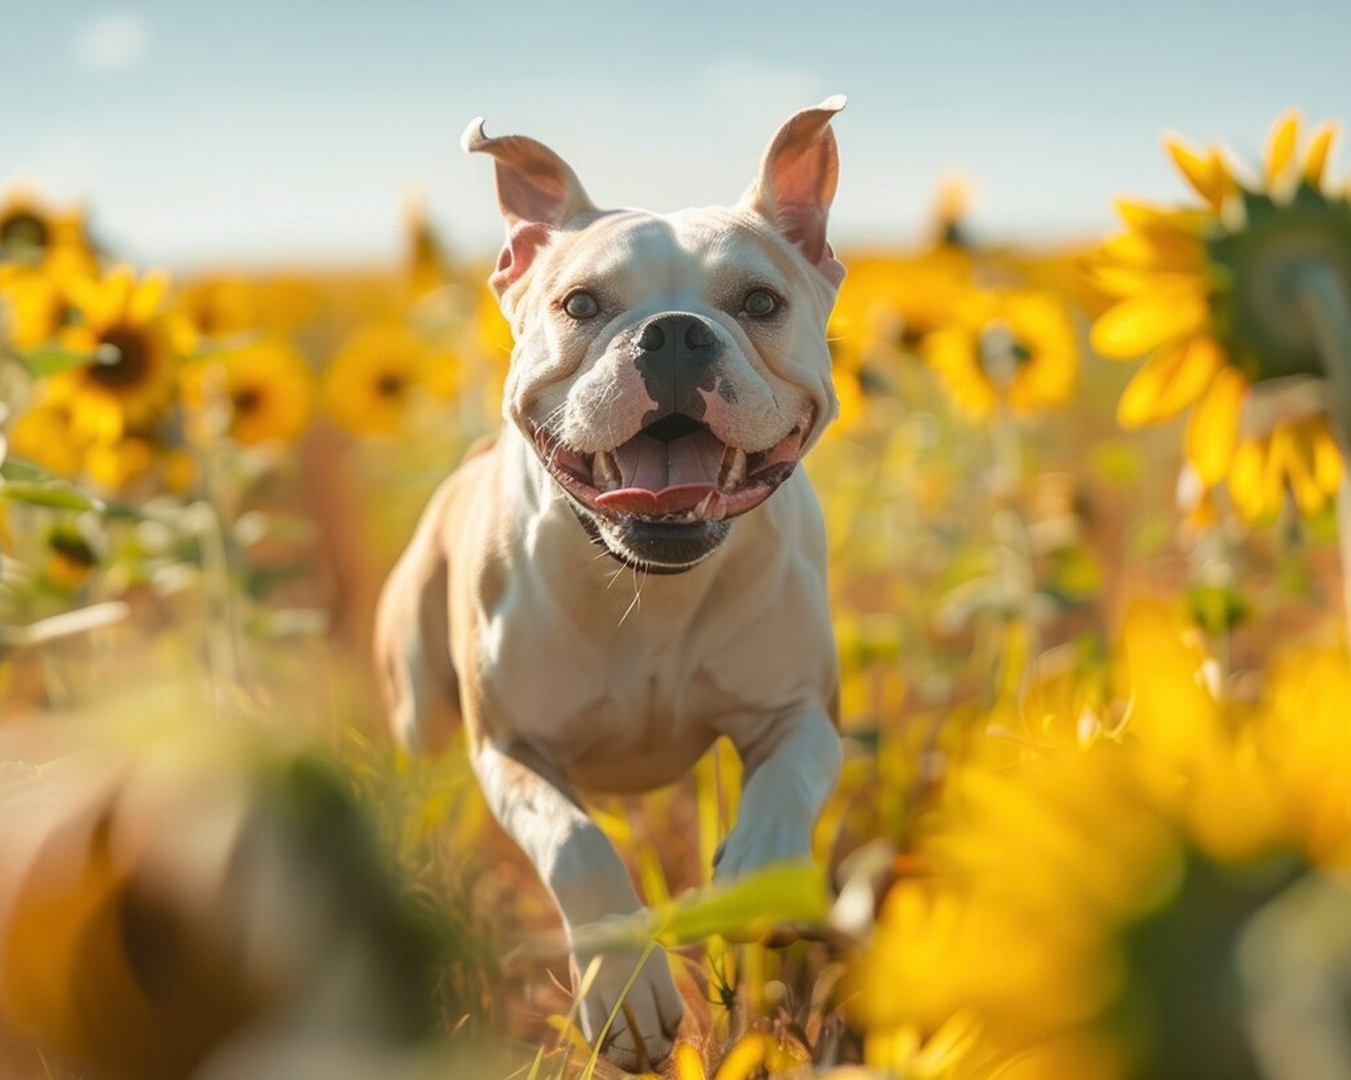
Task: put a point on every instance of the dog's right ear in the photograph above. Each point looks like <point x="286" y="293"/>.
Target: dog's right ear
<point x="537" y="191"/>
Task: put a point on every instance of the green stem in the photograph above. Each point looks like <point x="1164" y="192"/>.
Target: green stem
<point x="1322" y="293"/>
<point x="1008" y="485"/>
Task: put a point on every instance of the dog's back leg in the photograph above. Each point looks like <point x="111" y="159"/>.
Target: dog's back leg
<point x="412" y="640"/>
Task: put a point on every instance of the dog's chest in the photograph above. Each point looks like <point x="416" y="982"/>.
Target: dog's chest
<point x="624" y="703"/>
<point x="624" y="681"/>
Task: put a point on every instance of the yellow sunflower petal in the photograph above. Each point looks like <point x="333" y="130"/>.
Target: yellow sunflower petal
<point x="1246" y="479"/>
<point x="687" y="1063"/>
<point x="1316" y="157"/>
<point x="1281" y="145"/>
<point x="112" y="303"/>
<point x="1208" y="175"/>
<point x="1327" y="459"/>
<point x="145" y="298"/>
<point x="954" y="354"/>
<point x="1212" y="433"/>
<point x="1173" y="379"/>
<point x="1156" y="249"/>
<point x="1135" y="326"/>
<point x="1292" y="463"/>
<point x="744" y="1058"/>
<point x="95" y="416"/>
<point x="1141" y="215"/>
<point x="1121" y="281"/>
<point x="91" y="297"/>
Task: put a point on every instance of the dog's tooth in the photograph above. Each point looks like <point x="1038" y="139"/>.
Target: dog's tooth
<point x="733" y="468"/>
<point x="604" y="472"/>
<point x="712" y="507"/>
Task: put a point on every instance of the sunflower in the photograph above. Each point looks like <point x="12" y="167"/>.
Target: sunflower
<point x="1013" y="347"/>
<point x="41" y="252"/>
<point x="266" y="383"/>
<point x="30" y="230"/>
<point x="133" y="343"/>
<point x="375" y="376"/>
<point x="70" y="557"/>
<point x="890" y="305"/>
<point x="1210" y="294"/>
<point x="1078" y="893"/>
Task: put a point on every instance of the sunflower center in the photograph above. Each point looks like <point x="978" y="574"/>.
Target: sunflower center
<point x="1003" y="353"/>
<point x="122" y="359"/>
<point x="23" y="229"/>
<point x="390" y="385"/>
<point x="72" y="547"/>
<point x="246" y="400"/>
<point x="1259" y="319"/>
<point x="910" y="335"/>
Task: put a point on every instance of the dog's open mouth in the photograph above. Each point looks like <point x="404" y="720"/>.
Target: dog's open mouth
<point x="675" y="470"/>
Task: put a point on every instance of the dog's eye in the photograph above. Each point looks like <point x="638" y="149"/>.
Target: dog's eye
<point x="581" y="305"/>
<point x="759" y="303"/>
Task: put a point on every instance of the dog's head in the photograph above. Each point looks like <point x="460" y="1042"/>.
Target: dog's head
<point x="670" y="369"/>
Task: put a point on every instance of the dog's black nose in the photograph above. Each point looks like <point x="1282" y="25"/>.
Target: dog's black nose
<point x="677" y="354"/>
<point x="690" y="330"/>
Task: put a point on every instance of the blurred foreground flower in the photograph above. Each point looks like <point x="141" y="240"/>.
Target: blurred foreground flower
<point x="193" y="902"/>
<point x="1089" y="898"/>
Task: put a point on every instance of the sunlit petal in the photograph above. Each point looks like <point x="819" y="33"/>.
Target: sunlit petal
<point x="1212" y="433"/>
<point x="1320" y="147"/>
<point x="1281" y="145"/>
<point x="1135" y="326"/>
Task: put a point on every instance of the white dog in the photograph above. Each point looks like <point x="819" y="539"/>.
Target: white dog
<point x="669" y="372"/>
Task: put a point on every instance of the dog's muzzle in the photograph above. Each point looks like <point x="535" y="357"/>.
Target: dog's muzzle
<point x="662" y="499"/>
<point x="665" y="497"/>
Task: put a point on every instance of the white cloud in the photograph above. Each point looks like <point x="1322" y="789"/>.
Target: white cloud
<point x="111" y="42"/>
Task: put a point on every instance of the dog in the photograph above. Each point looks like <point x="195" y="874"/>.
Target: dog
<point x="669" y="372"/>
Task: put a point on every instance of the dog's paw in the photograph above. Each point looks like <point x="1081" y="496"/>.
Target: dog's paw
<point x="752" y="846"/>
<point x="649" y="1015"/>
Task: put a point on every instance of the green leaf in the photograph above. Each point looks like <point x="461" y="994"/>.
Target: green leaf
<point x="744" y="910"/>
<point x="17" y="469"/>
<point x="56" y="494"/>
<point x="52" y="360"/>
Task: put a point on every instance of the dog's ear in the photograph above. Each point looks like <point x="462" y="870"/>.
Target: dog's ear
<point x="537" y="191"/>
<point x="797" y="182"/>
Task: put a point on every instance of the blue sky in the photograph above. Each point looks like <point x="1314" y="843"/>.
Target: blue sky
<point x="260" y="132"/>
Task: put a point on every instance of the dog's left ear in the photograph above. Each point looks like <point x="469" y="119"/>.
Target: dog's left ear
<point x="537" y="191"/>
<point x="797" y="182"/>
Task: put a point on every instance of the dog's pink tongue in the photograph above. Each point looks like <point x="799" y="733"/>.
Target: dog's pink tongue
<point x="665" y="478"/>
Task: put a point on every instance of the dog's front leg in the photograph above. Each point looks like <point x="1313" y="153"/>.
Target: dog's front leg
<point x="791" y="765"/>
<point x="589" y="882"/>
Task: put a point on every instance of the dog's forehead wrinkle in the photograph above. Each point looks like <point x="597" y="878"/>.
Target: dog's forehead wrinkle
<point x="616" y="244"/>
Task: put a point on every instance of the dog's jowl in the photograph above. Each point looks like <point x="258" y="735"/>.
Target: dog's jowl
<point x="670" y="370"/>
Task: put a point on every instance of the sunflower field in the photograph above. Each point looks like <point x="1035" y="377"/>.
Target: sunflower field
<point x="1090" y="525"/>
